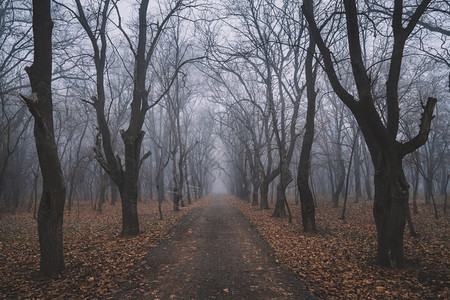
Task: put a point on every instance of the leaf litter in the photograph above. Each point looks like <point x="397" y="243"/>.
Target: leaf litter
<point x="338" y="262"/>
<point x="99" y="262"/>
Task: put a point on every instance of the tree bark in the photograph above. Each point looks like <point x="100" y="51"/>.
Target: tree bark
<point x="264" y="192"/>
<point x="340" y="174"/>
<point x="51" y="208"/>
<point x="390" y="201"/>
<point x="129" y="188"/>
<point x="285" y="179"/>
<point x="304" y="167"/>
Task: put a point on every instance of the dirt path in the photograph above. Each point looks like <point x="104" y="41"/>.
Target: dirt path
<point x="216" y="254"/>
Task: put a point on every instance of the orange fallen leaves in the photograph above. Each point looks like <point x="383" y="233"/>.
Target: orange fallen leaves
<point x="99" y="262"/>
<point x="338" y="262"/>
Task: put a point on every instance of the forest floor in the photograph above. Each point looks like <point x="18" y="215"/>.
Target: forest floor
<point x="209" y="250"/>
<point x="216" y="254"/>
<point x="213" y="253"/>
<point x="338" y="262"/>
<point x="99" y="262"/>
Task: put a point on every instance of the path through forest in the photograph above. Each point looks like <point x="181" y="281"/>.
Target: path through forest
<point x="216" y="254"/>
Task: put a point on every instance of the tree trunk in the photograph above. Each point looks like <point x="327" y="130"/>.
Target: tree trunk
<point x="71" y="188"/>
<point x="188" y="191"/>
<point x="367" y="178"/>
<point x="160" y="191"/>
<point x="280" y="204"/>
<point x="129" y="188"/>
<point x="264" y="192"/>
<point x="102" y="191"/>
<point x="443" y="181"/>
<point x="445" y="193"/>
<point x="255" y="193"/>
<point x="128" y="196"/>
<point x="340" y="177"/>
<point x="348" y="175"/>
<point x="428" y="186"/>
<point x="357" y="169"/>
<point x="150" y="184"/>
<point x="415" y="189"/>
<point x="389" y="210"/>
<point x="176" y="200"/>
<point x="412" y="231"/>
<point x="244" y="192"/>
<point x="306" y="200"/>
<point x="285" y="179"/>
<point x="304" y="166"/>
<point x="51" y="208"/>
<point x="391" y="187"/>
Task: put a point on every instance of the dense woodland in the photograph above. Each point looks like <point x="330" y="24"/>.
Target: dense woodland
<point x="113" y="102"/>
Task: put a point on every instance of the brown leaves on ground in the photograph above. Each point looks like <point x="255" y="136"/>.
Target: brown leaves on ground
<point x="99" y="262"/>
<point x="338" y="262"/>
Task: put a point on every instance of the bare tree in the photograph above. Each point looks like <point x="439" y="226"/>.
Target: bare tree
<point x="40" y="104"/>
<point x="304" y="166"/>
<point x="391" y="187"/>
<point x="125" y="175"/>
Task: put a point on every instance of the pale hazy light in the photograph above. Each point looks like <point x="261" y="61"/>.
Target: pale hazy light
<point x="219" y="187"/>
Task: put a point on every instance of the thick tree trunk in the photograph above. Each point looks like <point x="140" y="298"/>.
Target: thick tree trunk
<point x="51" y="208"/>
<point x="128" y="196"/>
<point x="264" y="192"/>
<point x="50" y="221"/>
<point x="389" y="210"/>
<point x="128" y="189"/>
<point x="307" y="203"/>
<point x="280" y="204"/>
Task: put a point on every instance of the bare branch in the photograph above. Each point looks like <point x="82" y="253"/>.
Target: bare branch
<point x="175" y="74"/>
<point x="424" y="128"/>
<point x="146" y="155"/>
